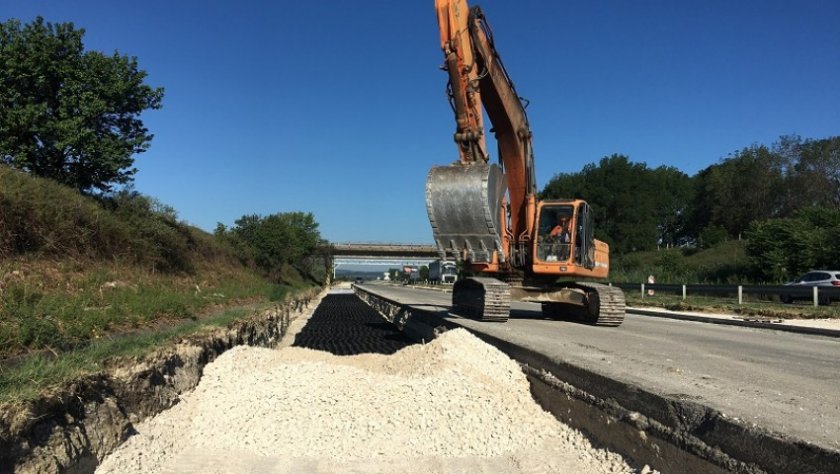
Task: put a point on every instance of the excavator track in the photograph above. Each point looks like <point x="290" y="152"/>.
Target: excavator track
<point x="484" y="299"/>
<point x="602" y="306"/>
<point x="605" y="305"/>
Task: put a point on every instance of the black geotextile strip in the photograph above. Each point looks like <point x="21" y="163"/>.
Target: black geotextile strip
<point x="345" y="325"/>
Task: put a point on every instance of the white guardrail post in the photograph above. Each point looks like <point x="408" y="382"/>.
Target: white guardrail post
<point x="816" y="297"/>
<point x="740" y="294"/>
<point x="683" y="292"/>
<point x="643" y="291"/>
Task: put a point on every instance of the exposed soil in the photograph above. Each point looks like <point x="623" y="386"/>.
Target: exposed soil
<point x="72" y="428"/>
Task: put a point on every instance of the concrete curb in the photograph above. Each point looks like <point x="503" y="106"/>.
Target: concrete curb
<point x="735" y="322"/>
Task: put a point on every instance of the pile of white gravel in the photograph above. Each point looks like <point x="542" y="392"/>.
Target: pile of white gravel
<point x="453" y="405"/>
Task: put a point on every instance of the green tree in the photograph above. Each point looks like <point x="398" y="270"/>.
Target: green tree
<point x="424" y="273"/>
<point x="69" y="114"/>
<point x="812" y="175"/>
<point x="748" y="185"/>
<point x="780" y="249"/>
<point x="635" y="207"/>
<point x="275" y="242"/>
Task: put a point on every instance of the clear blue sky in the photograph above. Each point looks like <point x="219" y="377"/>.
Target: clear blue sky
<point x="338" y="107"/>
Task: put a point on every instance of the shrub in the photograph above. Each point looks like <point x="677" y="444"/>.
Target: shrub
<point x="42" y="217"/>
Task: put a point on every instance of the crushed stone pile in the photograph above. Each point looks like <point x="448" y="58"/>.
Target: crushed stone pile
<point x="453" y="405"/>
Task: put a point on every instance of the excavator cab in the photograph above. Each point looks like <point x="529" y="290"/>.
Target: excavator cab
<point x="565" y="241"/>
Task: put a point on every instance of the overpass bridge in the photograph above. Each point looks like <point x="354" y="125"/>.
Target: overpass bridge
<point x="380" y="254"/>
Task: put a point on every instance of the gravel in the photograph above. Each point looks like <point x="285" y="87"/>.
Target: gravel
<point x="453" y="405"/>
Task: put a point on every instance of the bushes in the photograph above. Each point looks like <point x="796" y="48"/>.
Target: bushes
<point x="40" y="216"/>
<point x="780" y="249"/>
<point x="283" y="246"/>
<point x="724" y="263"/>
<point x="157" y="238"/>
<point x="43" y="218"/>
<point x="74" y="268"/>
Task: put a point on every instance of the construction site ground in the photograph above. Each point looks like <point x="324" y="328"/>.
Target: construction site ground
<point x="347" y="392"/>
<point x="776" y="381"/>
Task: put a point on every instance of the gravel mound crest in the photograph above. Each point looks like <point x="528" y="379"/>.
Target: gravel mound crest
<point x="455" y="404"/>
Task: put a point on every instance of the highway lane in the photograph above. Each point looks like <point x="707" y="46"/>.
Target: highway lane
<point x="784" y="382"/>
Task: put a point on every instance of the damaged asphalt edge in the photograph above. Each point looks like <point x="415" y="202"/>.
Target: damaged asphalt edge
<point x="667" y="314"/>
<point x="668" y="433"/>
<point x="735" y="322"/>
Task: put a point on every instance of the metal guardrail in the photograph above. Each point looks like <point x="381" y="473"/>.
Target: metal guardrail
<point x="817" y="294"/>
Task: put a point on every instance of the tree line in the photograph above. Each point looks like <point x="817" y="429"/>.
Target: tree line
<point x="781" y="198"/>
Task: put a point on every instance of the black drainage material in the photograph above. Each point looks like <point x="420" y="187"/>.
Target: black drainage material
<point x="345" y="325"/>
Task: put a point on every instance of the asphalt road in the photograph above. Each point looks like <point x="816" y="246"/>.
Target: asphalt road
<point x="788" y="383"/>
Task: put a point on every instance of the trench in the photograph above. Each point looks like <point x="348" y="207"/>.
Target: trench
<point x="646" y="428"/>
<point x="72" y="428"/>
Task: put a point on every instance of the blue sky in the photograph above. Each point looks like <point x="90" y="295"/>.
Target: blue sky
<point x="338" y="108"/>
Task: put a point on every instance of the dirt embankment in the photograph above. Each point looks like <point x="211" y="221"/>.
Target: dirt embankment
<point x="72" y="428"/>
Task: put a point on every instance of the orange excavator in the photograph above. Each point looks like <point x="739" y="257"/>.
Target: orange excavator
<point x="487" y="215"/>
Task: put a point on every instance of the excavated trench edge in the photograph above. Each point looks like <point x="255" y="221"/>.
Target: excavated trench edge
<point x="666" y="433"/>
<point x="72" y="429"/>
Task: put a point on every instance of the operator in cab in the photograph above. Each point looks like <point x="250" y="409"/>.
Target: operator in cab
<point x="560" y="238"/>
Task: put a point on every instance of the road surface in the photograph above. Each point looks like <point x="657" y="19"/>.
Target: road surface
<point x="787" y="383"/>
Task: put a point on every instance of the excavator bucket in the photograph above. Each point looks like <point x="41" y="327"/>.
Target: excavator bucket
<point x="464" y="205"/>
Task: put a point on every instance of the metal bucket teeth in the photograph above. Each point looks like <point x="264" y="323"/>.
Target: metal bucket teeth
<point x="464" y="206"/>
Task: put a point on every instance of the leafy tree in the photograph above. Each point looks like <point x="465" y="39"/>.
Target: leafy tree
<point x="780" y="249"/>
<point x="275" y="242"/>
<point x="424" y="273"/>
<point x="69" y="114"/>
<point x="711" y="236"/>
<point x="760" y="182"/>
<point x="812" y="175"/>
<point x="635" y="207"/>
<point x="673" y="192"/>
<point x="745" y="187"/>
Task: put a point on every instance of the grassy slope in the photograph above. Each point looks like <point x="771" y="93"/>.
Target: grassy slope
<point x="85" y="280"/>
<point x="28" y="377"/>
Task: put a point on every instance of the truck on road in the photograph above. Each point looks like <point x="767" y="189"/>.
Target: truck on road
<point x="443" y="271"/>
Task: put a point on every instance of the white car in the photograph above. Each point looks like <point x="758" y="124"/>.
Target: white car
<point x="830" y="278"/>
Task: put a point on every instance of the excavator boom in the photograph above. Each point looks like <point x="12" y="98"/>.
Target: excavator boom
<point x="478" y="77"/>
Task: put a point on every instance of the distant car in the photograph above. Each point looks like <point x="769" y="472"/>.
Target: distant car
<point x="359" y="280"/>
<point x="829" y="278"/>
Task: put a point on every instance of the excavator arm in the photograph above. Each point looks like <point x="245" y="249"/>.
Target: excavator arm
<point x="455" y="41"/>
<point x="478" y="77"/>
<point x="510" y="124"/>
